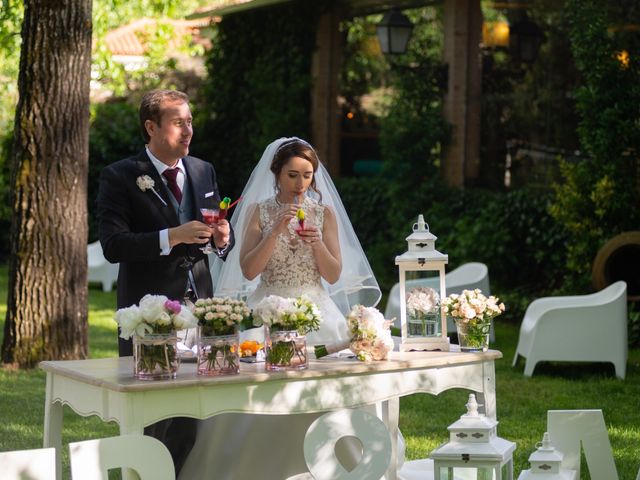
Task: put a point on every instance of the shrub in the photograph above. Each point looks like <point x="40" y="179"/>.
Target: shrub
<point x="114" y="134"/>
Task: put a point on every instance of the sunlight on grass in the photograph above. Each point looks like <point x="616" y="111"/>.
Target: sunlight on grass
<point x="522" y="403"/>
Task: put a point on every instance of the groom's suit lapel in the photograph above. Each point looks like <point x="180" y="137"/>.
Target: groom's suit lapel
<point x="144" y="165"/>
<point x="197" y="178"/>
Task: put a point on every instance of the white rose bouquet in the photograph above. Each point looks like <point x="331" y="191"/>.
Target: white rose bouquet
<point x="370" y="335"/>
<point x="220" y="315"/>
<point x="280" y="313"/>
<point x="282" y="316"/>
<point x="472" y="312"/>
<point x="155" y="314"/>
<point x="422" y="301"/>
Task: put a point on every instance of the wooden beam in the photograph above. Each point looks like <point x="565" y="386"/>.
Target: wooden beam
<point x="325" y="70"/>
<point x="462" y="103"/>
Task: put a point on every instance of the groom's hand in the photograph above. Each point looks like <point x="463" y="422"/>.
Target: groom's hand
<point x="190" y="232"/>
<point x="221" y="233"/>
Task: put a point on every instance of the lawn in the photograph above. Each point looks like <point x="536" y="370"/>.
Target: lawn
<point x="522" y="402"/>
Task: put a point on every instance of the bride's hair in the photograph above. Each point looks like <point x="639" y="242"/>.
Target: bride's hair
<point x="296" y="147"/>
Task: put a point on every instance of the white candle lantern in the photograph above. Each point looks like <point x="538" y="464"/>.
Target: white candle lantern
<point x="546" y="464"/>
<point x="425" y="333"/>
<point x="474" y="450"/>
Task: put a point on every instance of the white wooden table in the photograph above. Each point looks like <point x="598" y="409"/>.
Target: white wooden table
<point x="106" y="388"/>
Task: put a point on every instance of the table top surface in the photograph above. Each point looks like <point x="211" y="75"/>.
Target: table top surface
<point x="117" y="373"/>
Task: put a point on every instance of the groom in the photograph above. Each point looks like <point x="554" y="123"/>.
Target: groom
<point x="149" y="222"/>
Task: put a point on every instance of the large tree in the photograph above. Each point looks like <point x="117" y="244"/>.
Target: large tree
<point x="47" y="298"/>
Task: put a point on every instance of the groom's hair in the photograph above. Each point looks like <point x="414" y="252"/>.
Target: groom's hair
<point x="151" y="106"/>
<point x="296" y="147"/>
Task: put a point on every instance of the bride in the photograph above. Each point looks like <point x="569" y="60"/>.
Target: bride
<point x="324" y="261"/>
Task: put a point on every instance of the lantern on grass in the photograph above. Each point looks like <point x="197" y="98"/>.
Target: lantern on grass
<point x="545" y="464"/>
<point x="422" y="327"/>
<point x="474" y="450"/>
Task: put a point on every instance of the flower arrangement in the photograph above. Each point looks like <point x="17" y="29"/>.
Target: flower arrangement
<point x="153" y="323"/>
<point x="288" y="321"/>
<point x="370" y="335"/>
<point x="145" y="182"/>
<point x="220" y="315"/>
<point x="218" y="321"/>
<point x="250" y="348"/>
<point x="423" y="311"/>
<point x="279" y="313"/>
<point x="472" y="312"/>
<point x="155" y="314"/>
<point x="422" y="301"/>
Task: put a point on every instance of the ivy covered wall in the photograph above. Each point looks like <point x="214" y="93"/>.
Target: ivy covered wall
<point x="257" y="89"/>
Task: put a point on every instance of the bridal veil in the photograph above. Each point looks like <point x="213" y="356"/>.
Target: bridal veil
<point x="356" y="285"/>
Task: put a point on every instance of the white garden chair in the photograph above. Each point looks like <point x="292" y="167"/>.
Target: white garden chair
<point x="580" y="328"/>
<point x="99" y="268"/>
<point x="148" y="456"/>
<point x="35" y="464"/>
<point x="468" y="276"/>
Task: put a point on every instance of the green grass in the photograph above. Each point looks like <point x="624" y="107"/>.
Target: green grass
<point x="522" y="402"/>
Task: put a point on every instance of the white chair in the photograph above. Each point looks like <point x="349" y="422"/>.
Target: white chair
<point x="569" y="429"/>
<point x="100" y="270"/>
<point x="468" y="276"/>
<point x="581" y="328"/>
<point x="92" y="459"/>
<point x="322" y="435"/>
<point x="35" y="464"/>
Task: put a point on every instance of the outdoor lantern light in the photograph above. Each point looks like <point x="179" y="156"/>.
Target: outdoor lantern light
<point x="394" y="31"/>
<point x="474" y="450"/>
<point x="422" y="332"/>
<point x="495" y="34"/>
<point x="545" y="464"/>
<point x="525" y="38"/>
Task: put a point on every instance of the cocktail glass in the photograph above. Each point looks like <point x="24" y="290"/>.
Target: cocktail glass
<point x="210" y="216"/>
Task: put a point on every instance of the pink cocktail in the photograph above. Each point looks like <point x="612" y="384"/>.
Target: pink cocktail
<point x="210" y="216"/>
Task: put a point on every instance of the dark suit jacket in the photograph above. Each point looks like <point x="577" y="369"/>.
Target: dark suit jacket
<point x="129" y="222"/>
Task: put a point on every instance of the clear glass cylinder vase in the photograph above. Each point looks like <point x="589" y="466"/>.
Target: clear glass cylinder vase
<point x="473" y="336"/>
<point x="285" y="350"/>
<point x="218" y="354"/>
<point x="424" y="325"/>
<point x="155" y="356"/>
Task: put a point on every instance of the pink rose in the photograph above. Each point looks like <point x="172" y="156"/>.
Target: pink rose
<point x="173" y="306"/>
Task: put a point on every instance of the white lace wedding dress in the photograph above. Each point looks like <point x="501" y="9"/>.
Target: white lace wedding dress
<point x="236" y="446"/>
<point x="292" y="271"/>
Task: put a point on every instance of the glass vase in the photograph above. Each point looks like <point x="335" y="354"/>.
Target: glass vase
<point x="473" y="336"/>
<point x="285" y="350"/>
<point x="424" y="325"/>
<point x="155" y="356"/>
<point x="218" y="354"/>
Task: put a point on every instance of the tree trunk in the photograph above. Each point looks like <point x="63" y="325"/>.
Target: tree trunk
<point x="47" y="298"/>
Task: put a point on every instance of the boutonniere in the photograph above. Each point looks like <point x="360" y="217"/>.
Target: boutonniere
<point x="145" y="182"/>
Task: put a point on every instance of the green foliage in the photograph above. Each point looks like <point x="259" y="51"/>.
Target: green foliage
<point x="160" y="58"/>
<point x="257" y="89"/>
<point x="10" y="20"/>
<point x="599" y="196"/>
<point x="512" y="233"/>
<point x="114" y="134"/>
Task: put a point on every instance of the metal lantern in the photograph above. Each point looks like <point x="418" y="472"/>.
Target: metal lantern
<point x="474" y="450"/>
<point x="422" y="256"/>
<point x="394" y="31"/>
<point x="545" y="464"/>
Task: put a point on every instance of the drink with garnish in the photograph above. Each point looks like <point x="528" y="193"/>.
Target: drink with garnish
<point x="210" y="216"/>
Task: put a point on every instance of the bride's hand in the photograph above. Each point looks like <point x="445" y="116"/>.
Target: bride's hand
<point x="284" y="216"/>
<point x="310" y="235"/>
